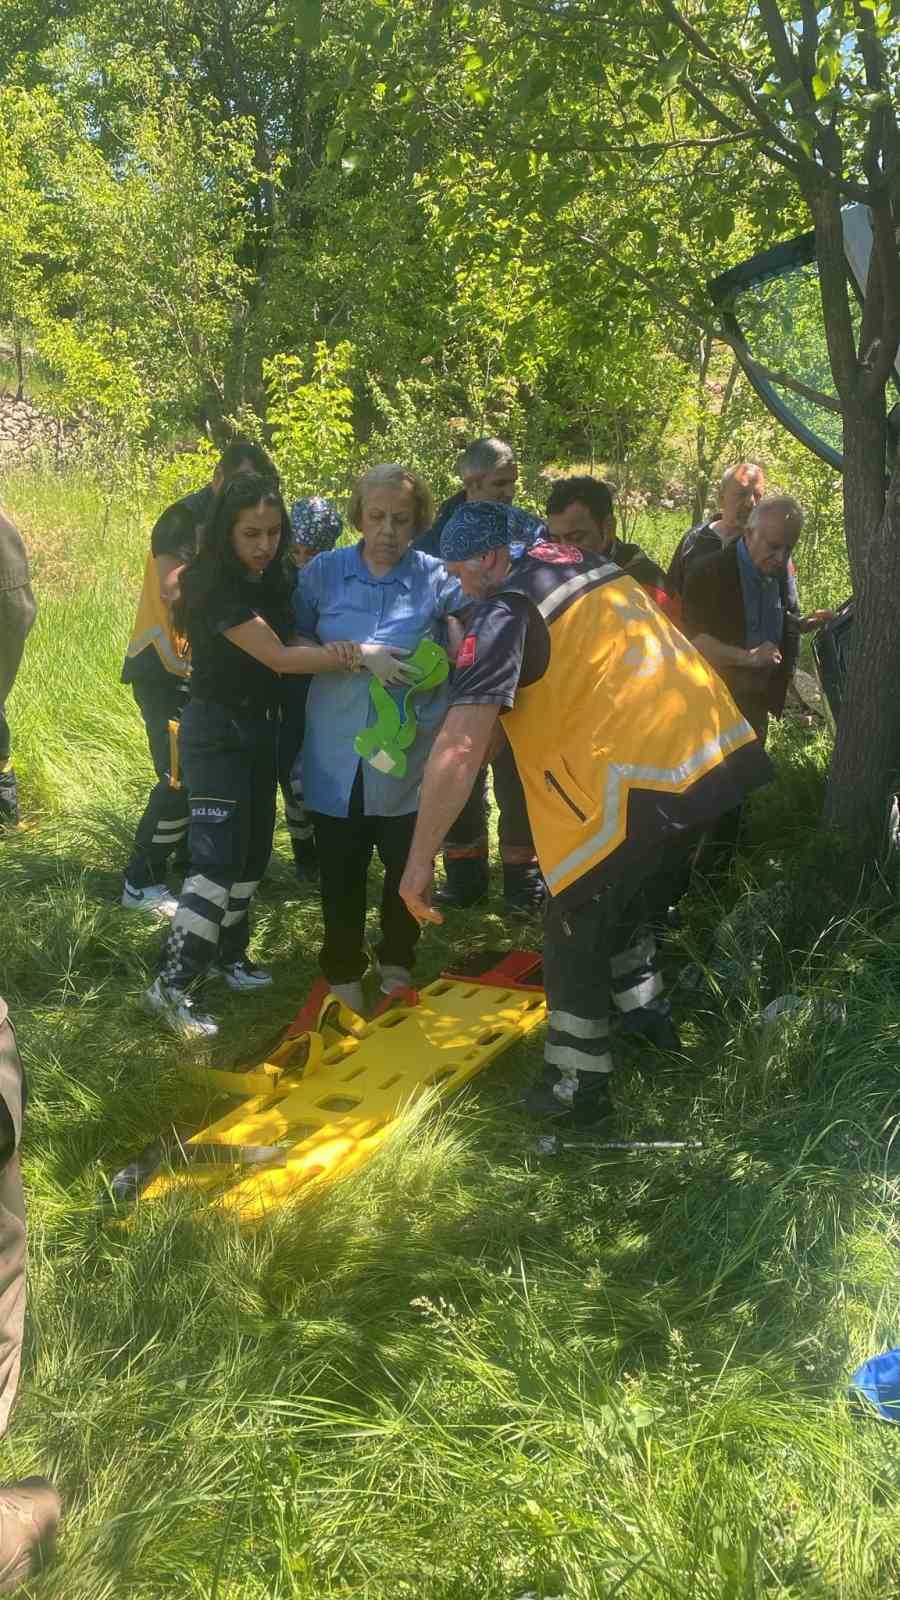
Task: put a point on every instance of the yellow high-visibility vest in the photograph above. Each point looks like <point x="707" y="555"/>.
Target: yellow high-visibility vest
<point x="152" y="625"/>
<point x="629" y="736"/>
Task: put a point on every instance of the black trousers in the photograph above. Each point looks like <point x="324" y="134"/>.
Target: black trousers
<point x="17" y="614"/>
<point x="514" y="828"/>
<point x="164" y="824"/>
<point x="291" y="729"/>
<point x="345" y="846"/>
<point x="12" y="1217"/>
<point x="600" y="949"/>
<point x="229" y="765"/>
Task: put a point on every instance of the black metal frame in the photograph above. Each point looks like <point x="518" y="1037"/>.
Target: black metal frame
<point x="799" y="252"/>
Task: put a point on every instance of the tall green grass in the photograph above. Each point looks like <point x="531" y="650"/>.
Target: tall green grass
<point x="468" y="1370"/>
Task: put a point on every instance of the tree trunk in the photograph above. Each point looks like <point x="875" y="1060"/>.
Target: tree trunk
<point x="20" y="369"/>
<point x="865" y="769"/>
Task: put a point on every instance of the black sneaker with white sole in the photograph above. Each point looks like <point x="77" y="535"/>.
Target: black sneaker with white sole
<point x="156" y="898"/>
<point x="242" y="976"/>
<point x="176" y="1009"/>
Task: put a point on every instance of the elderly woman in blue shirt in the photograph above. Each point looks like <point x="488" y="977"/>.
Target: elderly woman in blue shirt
<point x="387" y="597"/>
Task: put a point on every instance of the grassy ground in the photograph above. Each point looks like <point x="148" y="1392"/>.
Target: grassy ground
<point x="467" y="1371"/>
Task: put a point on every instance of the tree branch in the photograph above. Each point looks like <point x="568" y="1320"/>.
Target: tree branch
<point x="808" y="48"/>
<point x="787" y="152"/>
<point x="784" y="380"/>
<point x="835" y="293"/>
<point x="879" y="359"/>
<point x="745" y="95"/>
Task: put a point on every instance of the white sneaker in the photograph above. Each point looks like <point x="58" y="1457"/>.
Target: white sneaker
<point x="177" y="1011"/>
<point x="242" y="976"/>
<point x="157" y="898"/>
<point x="393" y="979"/>
<point x="352" y="996"/>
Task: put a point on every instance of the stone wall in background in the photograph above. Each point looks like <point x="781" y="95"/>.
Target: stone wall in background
<point x="26" y="432"/>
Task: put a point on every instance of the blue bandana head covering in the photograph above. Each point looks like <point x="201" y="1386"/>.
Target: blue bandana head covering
<point x="316" y="523"/>
<point x="482" y="525"/>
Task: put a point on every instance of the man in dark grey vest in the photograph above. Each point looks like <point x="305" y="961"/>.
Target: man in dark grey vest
<point x="29" y="1510"/>
<point x="17" y="613"/>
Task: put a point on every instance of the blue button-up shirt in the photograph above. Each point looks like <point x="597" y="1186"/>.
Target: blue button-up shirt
<point x="337" y="597"/>
<point x="763" y="605"/>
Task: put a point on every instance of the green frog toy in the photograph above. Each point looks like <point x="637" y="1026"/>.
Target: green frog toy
<point x="385" y="744"/>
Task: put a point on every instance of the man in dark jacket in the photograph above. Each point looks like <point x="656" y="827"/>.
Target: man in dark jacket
<point x="741" y="489"/>
<point x="741" y="610"/>
<point x="489" y="472"/>
<point x="581" y="512"/>
<point x="17" y="613"/>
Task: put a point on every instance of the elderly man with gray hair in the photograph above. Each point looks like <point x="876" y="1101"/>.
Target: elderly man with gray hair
<point x="741" y="487"/>
<point x="489" y="472"/>
<point x="742" y="611"/>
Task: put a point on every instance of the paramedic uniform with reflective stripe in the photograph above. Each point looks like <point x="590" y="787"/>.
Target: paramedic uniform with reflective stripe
<point x="157" y="667"/>
<point x="624" y="738"/>
<point x="229" y="735"/>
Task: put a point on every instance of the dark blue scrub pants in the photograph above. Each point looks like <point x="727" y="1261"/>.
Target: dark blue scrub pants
<point x="229" y="764"/>
<point x="599" y="951"/>
<point x="164" y="825"/>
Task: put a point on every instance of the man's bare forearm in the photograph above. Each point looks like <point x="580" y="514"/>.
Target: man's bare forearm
<point x="452" y="768"/>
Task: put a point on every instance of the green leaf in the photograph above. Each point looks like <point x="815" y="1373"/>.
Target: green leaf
<point x="805" y="135"/>
<point x="307" y="19"/>
<point x="334" y="144"/>
<point x="721" y="222"/>
<point x="476" y="92"/>
<point x="352" y="161"/>
<point x="819" y="87"/>
<point x="650" y="106"/>
<point x="676" y="66"/>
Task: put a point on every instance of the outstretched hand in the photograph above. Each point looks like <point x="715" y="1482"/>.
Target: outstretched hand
<point x="385" y="662"/>
<point x="415" y="892"/>
<point x="814" y="620"/>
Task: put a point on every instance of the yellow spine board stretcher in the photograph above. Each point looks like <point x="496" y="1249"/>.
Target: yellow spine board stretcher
<point x="326" y="1099"/>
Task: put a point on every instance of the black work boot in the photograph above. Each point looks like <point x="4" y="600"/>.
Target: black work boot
<point x="652" y="1023"/>
<point x="592" y="1102"/>
<point x="524" y="890"/>
<point x="550" y="1096"/>
<point x="468" y="881"/>
<point x="29" y="1513"/>
<point x="9" y="799"/>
